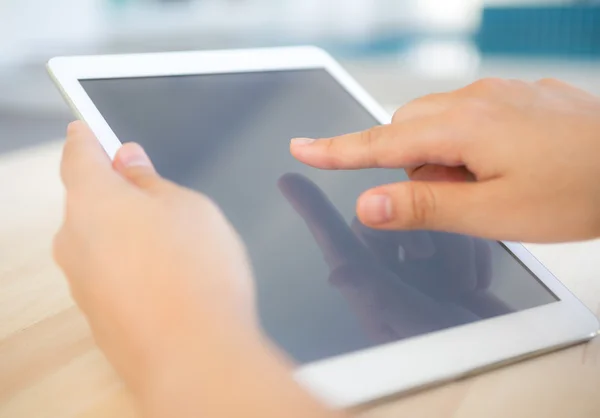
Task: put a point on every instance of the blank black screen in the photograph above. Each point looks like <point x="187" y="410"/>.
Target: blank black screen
<point x="327" y="285"/>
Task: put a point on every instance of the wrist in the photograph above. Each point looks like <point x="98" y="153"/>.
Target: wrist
<point x="241" y="374"/>
<point x="198" y="358"/>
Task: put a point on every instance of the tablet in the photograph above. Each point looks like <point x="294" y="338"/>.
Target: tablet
<point x="364" y="313"/>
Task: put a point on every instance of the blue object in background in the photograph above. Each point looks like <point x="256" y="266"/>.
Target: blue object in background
<point x="541" y="31"/>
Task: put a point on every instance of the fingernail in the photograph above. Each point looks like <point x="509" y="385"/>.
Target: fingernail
<point x="376" y="209"/>
<point x="133" y="155"/>
<point x="302" y="141"/>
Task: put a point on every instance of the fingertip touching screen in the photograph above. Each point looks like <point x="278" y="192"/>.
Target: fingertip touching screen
<point x="327" y="285"/>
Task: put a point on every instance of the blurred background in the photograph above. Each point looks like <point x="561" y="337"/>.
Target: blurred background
<point x="398" y="49"/>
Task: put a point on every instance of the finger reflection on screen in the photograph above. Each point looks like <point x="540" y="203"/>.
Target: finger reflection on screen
<point x="454" y="268"/>
<point x="374" y="275"/>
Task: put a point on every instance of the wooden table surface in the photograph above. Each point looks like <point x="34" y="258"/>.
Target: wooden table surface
<point x="50" y="367"/>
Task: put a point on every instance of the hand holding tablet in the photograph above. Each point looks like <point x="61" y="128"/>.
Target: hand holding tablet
<point x="164" y="281"/>
<point x="365" y="312"/>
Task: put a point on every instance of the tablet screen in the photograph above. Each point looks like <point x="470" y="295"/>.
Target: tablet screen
<point x="327" y="285"/>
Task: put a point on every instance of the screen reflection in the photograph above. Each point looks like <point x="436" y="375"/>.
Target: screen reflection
<point x="400" y="284"/>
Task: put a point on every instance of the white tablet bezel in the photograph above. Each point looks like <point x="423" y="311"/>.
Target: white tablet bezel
<point x="385" y="370"/>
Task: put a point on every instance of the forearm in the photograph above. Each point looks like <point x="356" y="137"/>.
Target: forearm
<point x="229" y="375"/>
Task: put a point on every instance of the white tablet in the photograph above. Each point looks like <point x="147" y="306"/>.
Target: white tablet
<point x="364" y="313"/>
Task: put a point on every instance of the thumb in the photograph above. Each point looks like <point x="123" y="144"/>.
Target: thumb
<point x="458" y="207"/>
<point x="133" y="163"/>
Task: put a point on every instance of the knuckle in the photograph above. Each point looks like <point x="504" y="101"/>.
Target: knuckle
<point x="206" y="202"/>
<point x="67" y="152"/>
<point x="400" y="114"/>
<point x="68" y="160"/>
<point x="331" y="145"/>
<point x="143" y="177"/>
<point x="488" y="85"/>
<point x="478" y="107"/>
<point x="73" y="206"/>
<point x="416" y="105"/>
<point x="64" y="170"/>
<point x="397" y="116"/>
<point x="74" y="127"/>
<point x="332" y="151"/>
<point x="57" y="247"/>
<point x="176" y="196"/>
<point x="212" y="207"/>
<point x="471" y="110"/>
<point x="368" y="138"/>
<point x="518" y="84"/>
<point x="201" y="204"/>
<point x="550" y="82"/>
<point x="427" y="99"/>
<point x="422" y="205"/>
<point x="79" y="209"/>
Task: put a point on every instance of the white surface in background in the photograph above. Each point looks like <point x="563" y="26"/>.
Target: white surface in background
<point x="443" y="59"/>
<point x="29" y="27"/>
<point x="398" y="80"/>
<point x="528" y="2"/>
<point x="428" y="67"/>
<point x="34" y="27"/>
<point x="462" y="16"/>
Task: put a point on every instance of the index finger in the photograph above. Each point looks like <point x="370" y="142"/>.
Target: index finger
<point x="426" y="140"/>
<point x="84" y="161"/>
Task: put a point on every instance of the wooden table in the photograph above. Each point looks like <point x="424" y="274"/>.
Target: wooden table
<point x="50" y="367"/>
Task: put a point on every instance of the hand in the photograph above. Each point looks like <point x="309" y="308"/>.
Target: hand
<point x="148" y="262"/>
<point x="401" y="284"/>
<point x="165" y="284"/>
<point x="498" y="159"/>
